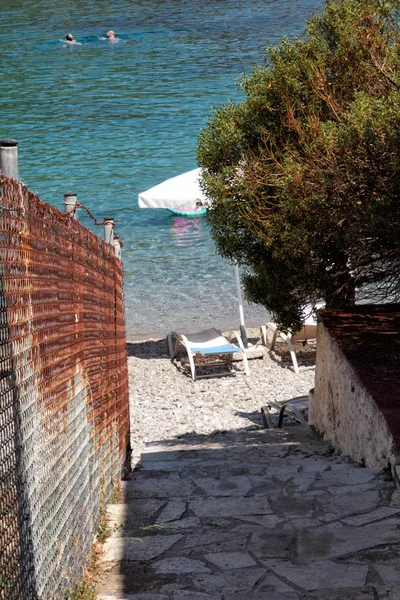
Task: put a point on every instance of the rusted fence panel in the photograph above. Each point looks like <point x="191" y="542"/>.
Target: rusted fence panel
<point x="64" y="421"/>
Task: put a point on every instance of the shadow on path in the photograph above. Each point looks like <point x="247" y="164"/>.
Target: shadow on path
<point x="272" y="514"/>
<point x="148" y="349"/>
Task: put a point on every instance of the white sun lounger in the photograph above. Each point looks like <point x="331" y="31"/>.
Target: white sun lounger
<point x="307" y="334"/>
<point x="297" y="408"/>
<point x="206" y="343"/>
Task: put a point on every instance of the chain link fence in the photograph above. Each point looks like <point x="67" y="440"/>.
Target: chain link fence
<point x="64" y="420"/>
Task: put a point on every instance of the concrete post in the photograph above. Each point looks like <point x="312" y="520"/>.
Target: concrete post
<point x="70" y="202"/>
<point x="9" y="158"/>
<point x="117" y="248"/>
<point x="108" y="230"/>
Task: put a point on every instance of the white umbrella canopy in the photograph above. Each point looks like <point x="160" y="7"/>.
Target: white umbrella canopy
<point x="182" y="191"/>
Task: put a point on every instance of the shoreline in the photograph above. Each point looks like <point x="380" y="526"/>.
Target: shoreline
<point x="253" y="331"/>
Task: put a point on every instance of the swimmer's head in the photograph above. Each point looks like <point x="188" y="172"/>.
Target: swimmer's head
<point x="110" y="33"/>
<point x="69" y="37"/>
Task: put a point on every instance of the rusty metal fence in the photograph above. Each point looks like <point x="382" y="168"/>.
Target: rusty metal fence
<point x="64" y="419"/>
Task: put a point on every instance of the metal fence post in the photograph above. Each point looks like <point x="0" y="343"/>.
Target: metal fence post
<point x="108" y="230"/>
<point x="70" y="203"/>
<point x="9" y="158"/>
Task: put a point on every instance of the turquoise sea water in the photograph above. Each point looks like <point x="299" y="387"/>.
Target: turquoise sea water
<point x="109" y="120"/>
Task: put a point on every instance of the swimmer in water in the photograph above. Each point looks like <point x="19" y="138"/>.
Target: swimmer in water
<point x="69" y="39"/>
<point x="111" y="35"/>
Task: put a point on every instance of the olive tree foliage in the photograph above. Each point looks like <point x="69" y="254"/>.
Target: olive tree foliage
<point x="304" y="173"/>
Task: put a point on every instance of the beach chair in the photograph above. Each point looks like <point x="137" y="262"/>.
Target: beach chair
<point x="306" y="335"/>
<point x="209" y="342"/>
<point x="297" y="408"/>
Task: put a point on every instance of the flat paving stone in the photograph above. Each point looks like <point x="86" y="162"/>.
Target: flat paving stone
<point x="157" y="488"/>
<point x="232" y="486"/>
<point x="301" y="482"/>
<point x="266" y="486"/>
<point x="262" y="521"/>
<point x="272" y="543"/>
<point x="145" y="548"/>
<point x="293" y="506"/>
<point x="342" y="474"/>
<point x="204" y="469"/>
<point x="152" y="455"/>
<point x="320" y="574"/>
<point x="270" y="584"/>
<point x="335" y="540"/>
<point x="368" y="593"/>
<point x="352" y="504"/>
<point x="189" y="523"/>
<point x="180" y="565"/>
<point x="134" y="597"/>
<point x="345" y="490"/>
<point x="215" y="540"/>
<point x="389" y="572"/>
<point x="192" y="595"/>
<point x="282" y="472"/>
<point x="133" y="514"/>
<point x="174" y="510"/>
<point x="375" y="515"/>
<point x="263" y="595"/>
<point x="172" y="466"/>
<point x="230" y="507"/>
<point x="231" y="560"/>
<point x="229" y="581"/>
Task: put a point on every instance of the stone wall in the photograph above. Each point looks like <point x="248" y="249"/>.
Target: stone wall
<point x="344" y="412"/>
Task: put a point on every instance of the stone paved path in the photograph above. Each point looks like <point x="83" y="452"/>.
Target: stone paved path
<point x="251" y="515"/>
